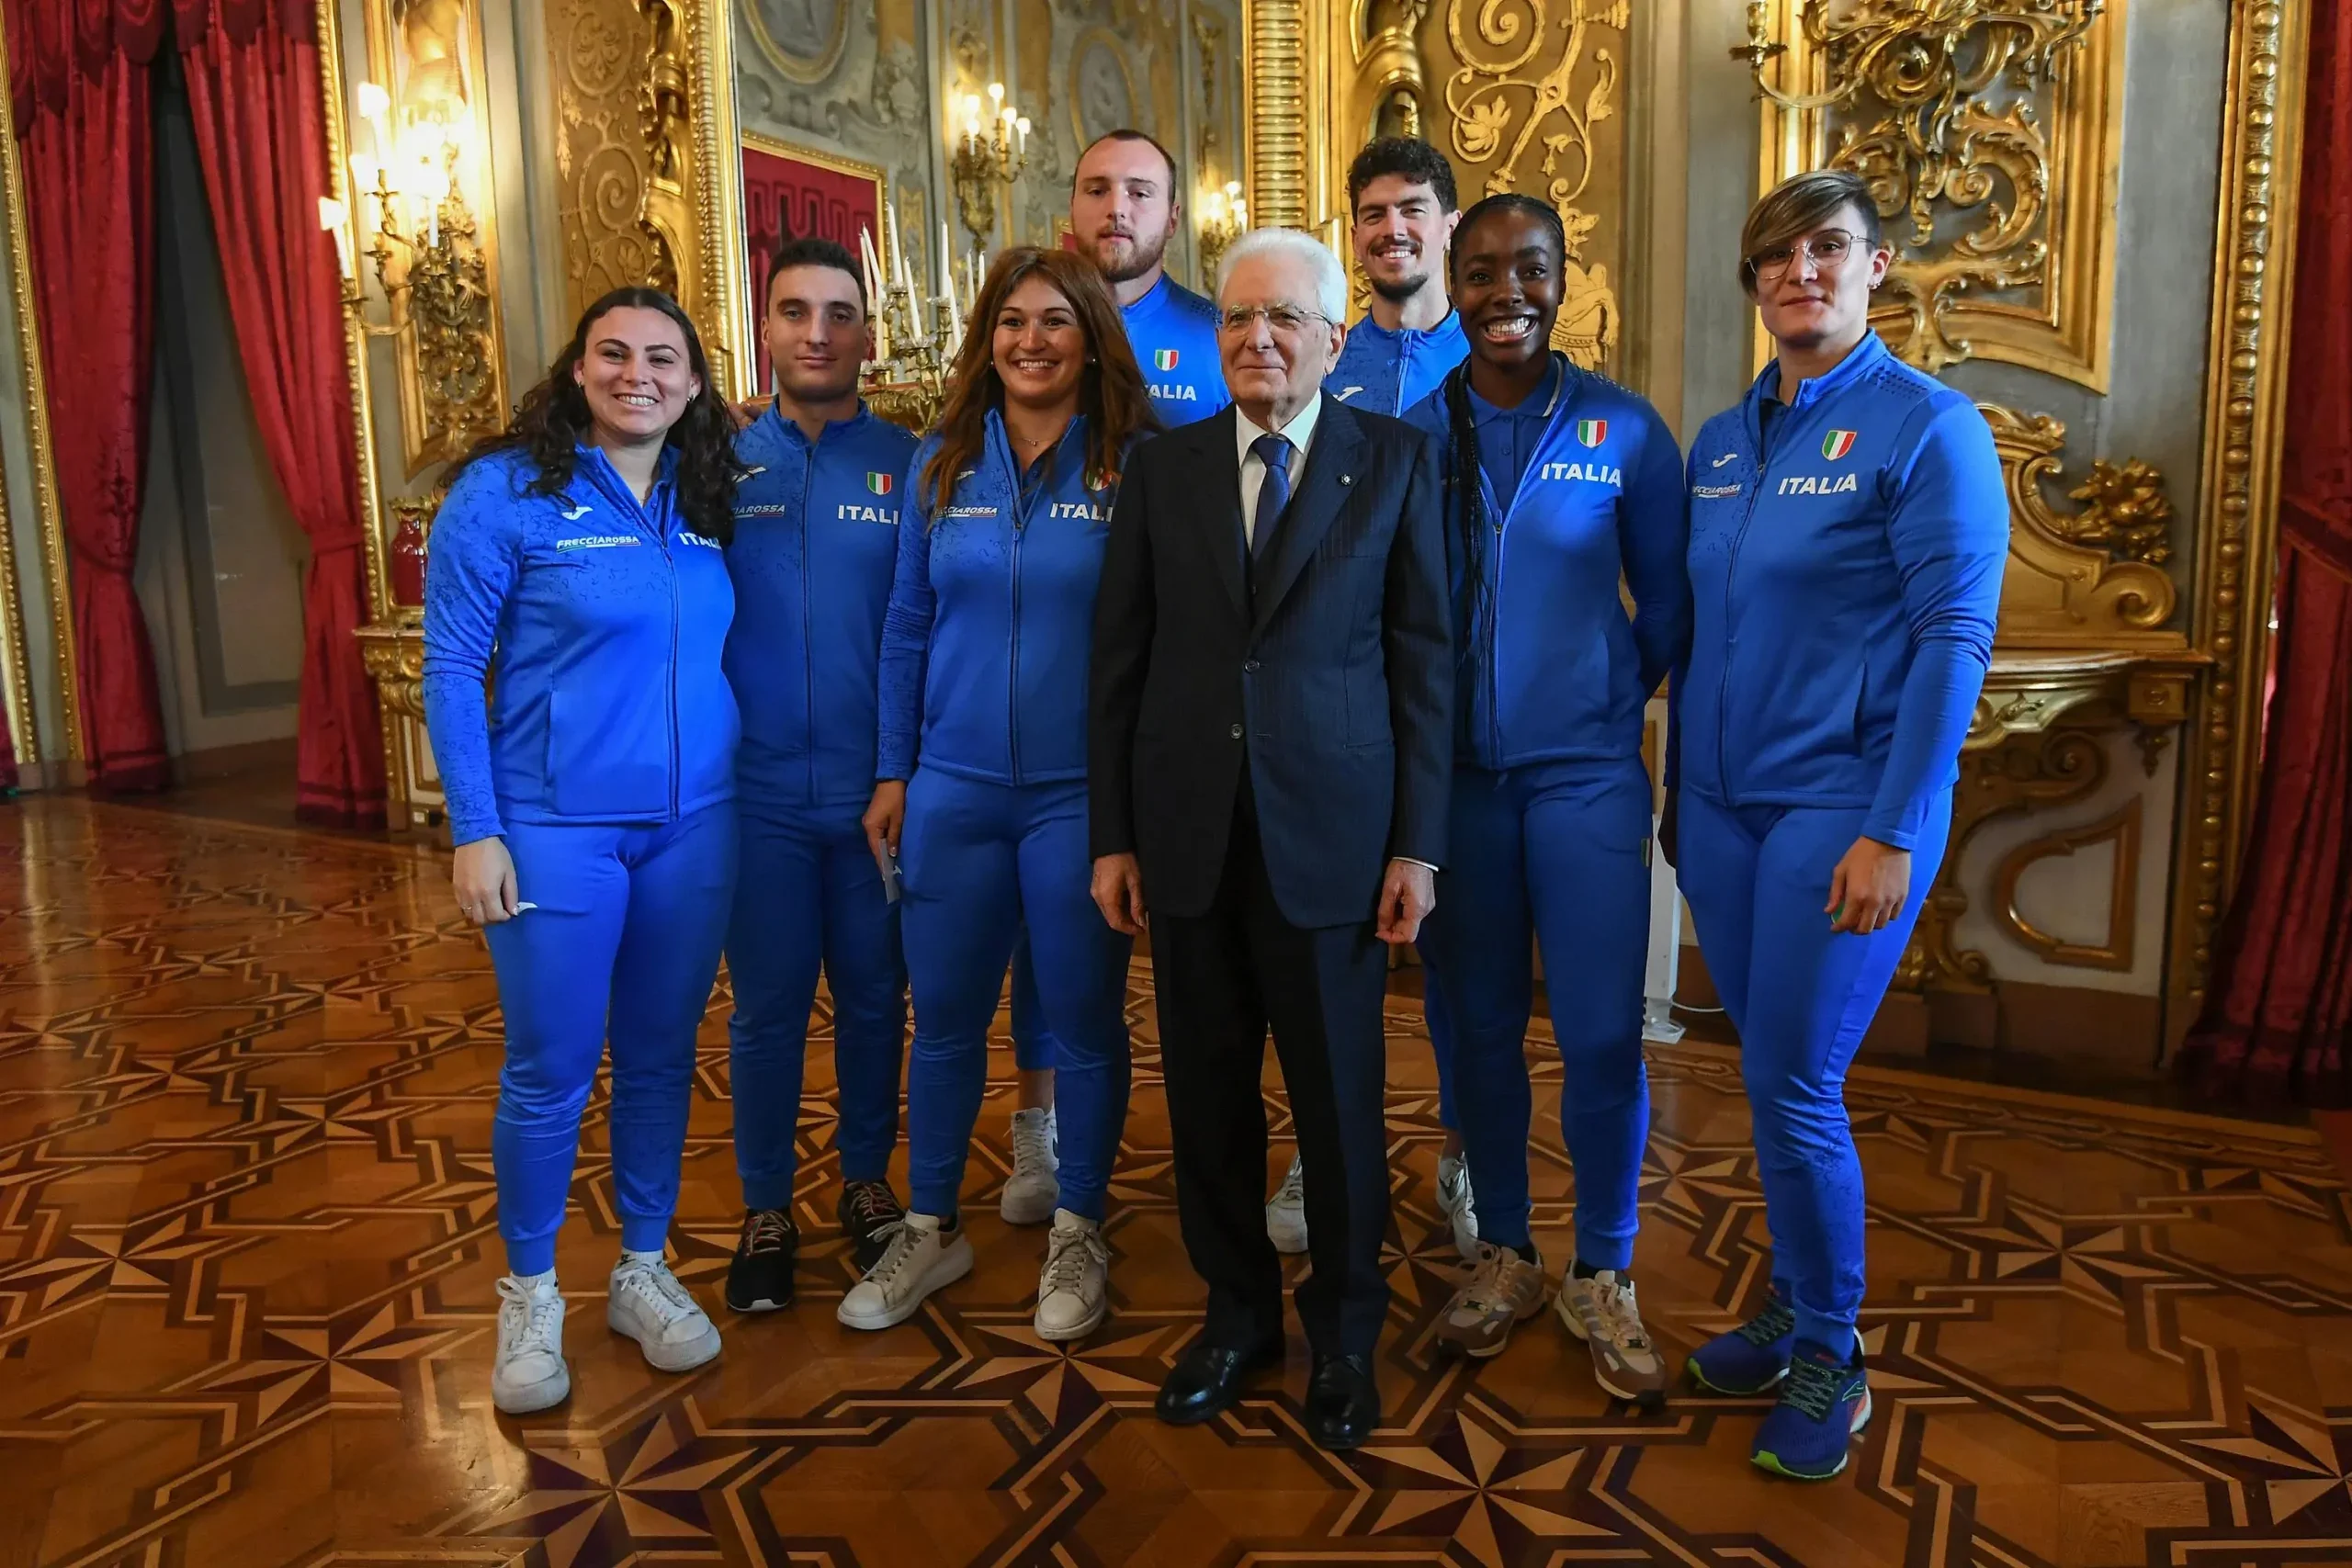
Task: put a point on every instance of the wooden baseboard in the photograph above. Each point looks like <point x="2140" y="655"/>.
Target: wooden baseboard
<point x="2111" y="1033"/>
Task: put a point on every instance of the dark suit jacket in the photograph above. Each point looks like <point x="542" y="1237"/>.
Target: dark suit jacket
<point x="1338" y="669"/>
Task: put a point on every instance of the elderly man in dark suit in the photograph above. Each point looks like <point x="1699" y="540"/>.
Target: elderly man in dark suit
<point x="1270" y="753"/>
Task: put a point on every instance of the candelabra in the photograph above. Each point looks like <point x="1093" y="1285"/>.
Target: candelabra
<point x="991" y="152"/>
<point x="427" y="259"/>
<point x="1224" y="216"/>
<point x="916" y="333"/>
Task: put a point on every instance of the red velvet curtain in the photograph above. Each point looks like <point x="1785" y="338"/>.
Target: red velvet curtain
<point x="253" y="88"/>
<point x="79" y="78"/>
<point x="2278" y="1023"/>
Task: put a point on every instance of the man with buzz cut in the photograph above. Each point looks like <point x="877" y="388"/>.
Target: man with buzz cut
<point x="816" y="545"/>
<point x="1401" y="201"/>
<point x="1123" y="212"/>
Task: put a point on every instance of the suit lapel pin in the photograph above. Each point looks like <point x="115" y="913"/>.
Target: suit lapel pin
<point x="1347" y="478"/>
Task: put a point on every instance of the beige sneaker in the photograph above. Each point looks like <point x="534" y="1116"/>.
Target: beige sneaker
<point x="1602" y="1312"/>
<point x="1286" y="1211"/>
<point x="1504" y="1290"/>
<point x="917" y="1261"/>
<point x="1074" y="1290"/>
<point x="529" y="1373"/>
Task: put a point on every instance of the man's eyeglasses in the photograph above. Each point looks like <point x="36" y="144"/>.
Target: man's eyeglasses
<point x="1284" y="319"/>
<point x="1828" y="250"/>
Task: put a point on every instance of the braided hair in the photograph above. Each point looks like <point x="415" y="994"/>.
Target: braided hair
<point x="1466" y="506"/>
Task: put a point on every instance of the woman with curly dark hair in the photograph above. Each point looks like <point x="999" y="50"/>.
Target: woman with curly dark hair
<point x="981" y="758"/>
<point x="576" y="568"/>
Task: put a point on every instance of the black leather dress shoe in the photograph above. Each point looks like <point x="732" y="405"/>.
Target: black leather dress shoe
<point x="1208" y="1377"/>
<point x="1342" y="1401"/>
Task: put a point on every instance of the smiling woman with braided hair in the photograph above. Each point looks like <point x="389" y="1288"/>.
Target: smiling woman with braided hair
<point x="1557" y="483"/>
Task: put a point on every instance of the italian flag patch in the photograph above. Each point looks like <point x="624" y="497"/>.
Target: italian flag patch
<point x="879" y="483"/>
<point x="1593" y="432"/>
<point x="1163" y="359"/>
<point x="1837" y="443"/>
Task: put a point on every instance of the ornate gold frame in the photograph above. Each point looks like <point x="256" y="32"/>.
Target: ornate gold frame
<point x="794" y="68"/>
<point x="2254" y="273"/>
<point x="422" y="443"/>
<point x="49" y="507"/>
<point x="2068" y="338"/>
<point x="1274" y="49"/>
<point x="2120" y="827"/>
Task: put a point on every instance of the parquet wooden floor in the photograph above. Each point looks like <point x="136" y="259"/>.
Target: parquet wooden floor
<point x="247" y="1250"/>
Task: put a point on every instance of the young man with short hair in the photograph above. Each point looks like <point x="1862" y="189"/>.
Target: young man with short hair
<point x="1401" y="199"/>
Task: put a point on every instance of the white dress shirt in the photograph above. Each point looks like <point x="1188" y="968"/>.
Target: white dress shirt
<point x="1300" y="432"/>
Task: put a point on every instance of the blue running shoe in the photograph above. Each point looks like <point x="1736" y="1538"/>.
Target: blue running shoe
<point x="1824" y="1402"/>
<point x="1751" y="1357"/>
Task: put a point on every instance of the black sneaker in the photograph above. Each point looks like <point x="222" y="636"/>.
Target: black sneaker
<point x="868" y="1210"/>
<point x="760" y="1279"/>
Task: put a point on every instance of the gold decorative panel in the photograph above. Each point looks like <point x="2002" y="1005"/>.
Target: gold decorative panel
<point x="1526" y="104"/>
<point x="2238" y="529"/>
<point x="645" y="154"/>
<point x="2120" y="830"/>
<point x="1989" y="131"/>
<point x="2086" y="579"/>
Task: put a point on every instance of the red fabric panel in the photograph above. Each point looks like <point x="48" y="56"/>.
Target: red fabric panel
<point x="790" y="198"/>
<point x="2278" y="1023"/>
<point x="261" y="137"/>
<point x="89" y="190"/>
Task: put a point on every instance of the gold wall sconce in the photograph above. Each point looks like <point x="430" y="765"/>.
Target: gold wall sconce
<point x="1225" y="218"/>
<point x="419" y="233"/>
<point x="991" y="149"/>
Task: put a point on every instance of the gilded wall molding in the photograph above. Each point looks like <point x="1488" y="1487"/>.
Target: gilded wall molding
<point x="2119" y="829"/>
<point x="1991" y="132"/>
<point x="1509" y="103"/>
<point x="647" y="160"/>
<point x="2245" y="385"/>
<point x="1274" y="42"/>
<point x="2086" y="579"/>
<point x="48" y="506"/>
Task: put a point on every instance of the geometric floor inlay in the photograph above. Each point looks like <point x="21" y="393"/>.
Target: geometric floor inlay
<point x="247" y="1242"/>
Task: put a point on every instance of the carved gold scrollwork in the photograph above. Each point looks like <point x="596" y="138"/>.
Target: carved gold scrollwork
<point x="395" y="659"/>
<point x="1390" y="71"/>
<point x="662" y="108"/>
<point x="2119" y="829"/>
<point x="1499" y="83"/>
<point x="1989" y="129"/>
<point x="2089" y="578"/>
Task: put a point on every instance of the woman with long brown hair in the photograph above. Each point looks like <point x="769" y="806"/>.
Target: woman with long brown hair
<point x="576" y="571"/>
<point x="982" y="762"/>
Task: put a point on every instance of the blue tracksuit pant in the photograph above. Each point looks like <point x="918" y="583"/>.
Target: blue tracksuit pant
<point x="1757" y="880"/>
<point x="624" y="942"/>
<point x="810" y="897"/>
<point x="979" y="860"/>
<point x="1550" y="853"/>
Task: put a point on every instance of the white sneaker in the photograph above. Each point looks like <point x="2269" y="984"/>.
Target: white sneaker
<point x="650" y="1306"/>
<point x="917" y="1261"/>
<point x="529" y="1373"/>
<point x="1286" y="1211"/>
<point x="1032" y="1192"/>
<point x="1074" y="1289"/>
<point x="1453" y="1202"/>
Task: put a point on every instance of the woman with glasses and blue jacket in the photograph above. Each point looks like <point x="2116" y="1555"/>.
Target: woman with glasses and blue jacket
<point x="1847" y="531"/>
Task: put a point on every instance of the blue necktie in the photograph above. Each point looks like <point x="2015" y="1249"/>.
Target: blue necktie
<point x="1274" y="451"/>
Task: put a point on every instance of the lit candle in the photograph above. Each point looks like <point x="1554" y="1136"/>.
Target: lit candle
<point x="373" y="103"/>
<point x="873" y="270"/>
<point x="332" y="214"/>
<point x="1020" y="129"/>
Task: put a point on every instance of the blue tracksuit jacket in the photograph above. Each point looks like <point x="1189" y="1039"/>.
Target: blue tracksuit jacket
<point x="816" y="545"/>
<point x="986" y="646"/>
<point x="602" y="621"/>
<point x="1173" y="332"/>
<point x="1392" y="372"/>
<point x="1847" y="577"/>
<point x="1550" y="669"/>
